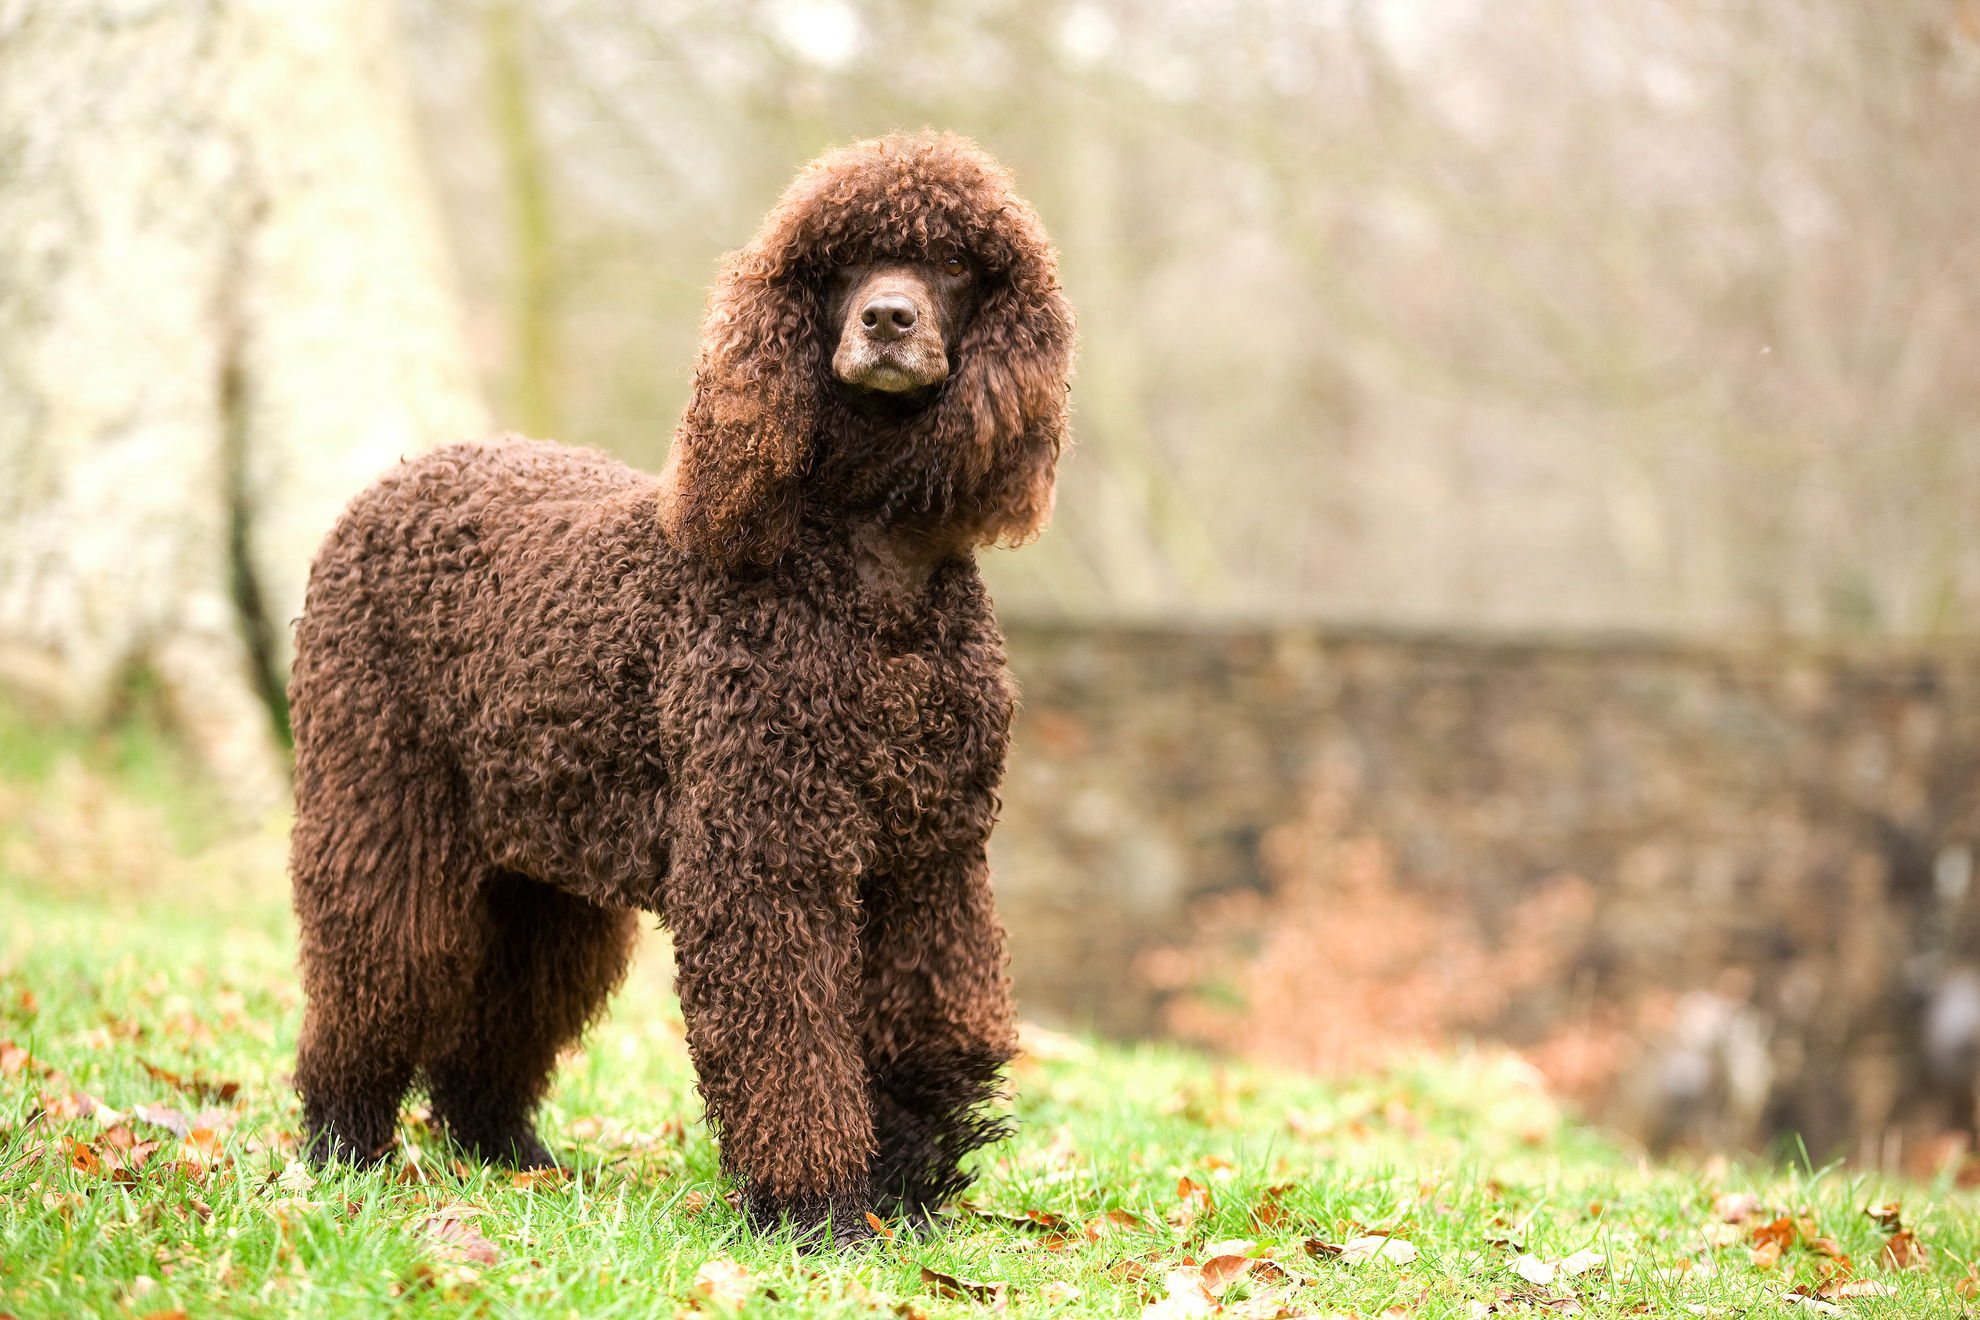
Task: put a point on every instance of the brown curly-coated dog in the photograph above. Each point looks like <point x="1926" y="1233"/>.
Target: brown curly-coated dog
<point x="764" y="696"/>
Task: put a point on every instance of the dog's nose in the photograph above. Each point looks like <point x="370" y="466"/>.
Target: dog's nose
<point x="889" y="316"/>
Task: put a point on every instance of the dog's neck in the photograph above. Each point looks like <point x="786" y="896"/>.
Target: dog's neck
<point x="894" y="562"/>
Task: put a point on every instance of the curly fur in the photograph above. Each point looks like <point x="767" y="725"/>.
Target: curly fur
<point x="764" y="697"/>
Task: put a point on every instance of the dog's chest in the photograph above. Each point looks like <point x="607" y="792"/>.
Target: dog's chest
<point x="924" y="732"/>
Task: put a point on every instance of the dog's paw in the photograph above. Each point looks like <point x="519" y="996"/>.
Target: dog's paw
<point x="833" y="1222"/>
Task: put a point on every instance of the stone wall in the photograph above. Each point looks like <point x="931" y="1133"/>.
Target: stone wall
<point x="1718" y="894"/>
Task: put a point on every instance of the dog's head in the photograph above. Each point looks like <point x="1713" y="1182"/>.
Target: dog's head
<point x="894" y="340"/>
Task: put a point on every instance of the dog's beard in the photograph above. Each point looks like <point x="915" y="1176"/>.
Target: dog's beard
<point x="888" y="460"/>
<point x="899" y="368"/>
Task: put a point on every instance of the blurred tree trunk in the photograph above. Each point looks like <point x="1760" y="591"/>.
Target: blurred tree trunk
<point x="224" y="306"/>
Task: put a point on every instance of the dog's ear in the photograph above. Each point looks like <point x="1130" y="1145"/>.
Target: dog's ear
<point x="1006" y="406"/>
<point x="732" y="480"/>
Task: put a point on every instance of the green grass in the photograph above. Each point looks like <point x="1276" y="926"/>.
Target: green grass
<point x="187" y="967"/>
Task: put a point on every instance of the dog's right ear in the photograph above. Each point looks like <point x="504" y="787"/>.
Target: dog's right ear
<point x="732" y="483"/>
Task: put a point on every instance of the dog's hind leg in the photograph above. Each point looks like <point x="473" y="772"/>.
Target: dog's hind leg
<point x="938" y="1026"/>
<point x="548" y="960"/>
<point x="384" y="935"/>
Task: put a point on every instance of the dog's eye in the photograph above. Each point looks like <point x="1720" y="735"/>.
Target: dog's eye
<point x="954" y="266"/>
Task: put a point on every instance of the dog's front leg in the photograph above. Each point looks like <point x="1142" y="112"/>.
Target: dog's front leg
<point x="766" y="946"/>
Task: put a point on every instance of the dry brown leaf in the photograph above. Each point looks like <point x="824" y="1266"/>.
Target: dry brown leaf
<point x="1903" y="1251"/>
<point x="1776" y="1236"/>
<point x="724" y="1281"/>
<point x="975" y="1290"/>
<point x="68" y="1105"/>
<point x="1196" y="1202"/>
<point x="1114" y="1221"/>
<point x="1031" y="1220"/>
<point x="455" y="1239"/>
<point x="1579" y="1262"/>
<point x="200" y="1088"/>
<point x="458" y="1210"/>
<point x="1186" y="1296"/>
<point x="879" y="1226"/>
<point x="295" y="1178"/>
<point x="1721" y="1235"/>
<point x="1735" y="1207"/>
<point x="1269" y="1212"/>
<point x="1829" y="1249"/>
<point x="1888" y="1216"/>
<point x="550" y="1175"/>
<point x="1367" y="1247"/>
<point x="1809" y="1301"/>
<point x="1220" y="1272"/>
<point x="159" y="1116"/>
<point x="1272" y="1274"/>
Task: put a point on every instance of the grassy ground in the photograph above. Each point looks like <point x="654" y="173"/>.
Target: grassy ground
<point x="148" y="1012"/>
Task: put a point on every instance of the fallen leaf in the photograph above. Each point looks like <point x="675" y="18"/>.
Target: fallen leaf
<point x="1196" y="1202"/>
<point x="1829" y="1249"/>
<point x="1534" y="1270"/>
<point x="1721" y="1235"/>
<point x="724" y="1281"/>
<point x="1032" y="1220"/>
<point x="457" y="1240"/>
<point x="1815" y="1304"/>
<point x="1781" y="1233"/>
<point x="1059" y="1291"/>
<point x="1579" y="1263"/>
<point x="296" y="1178"/>
<point x="1114" y="1221"/>
<point x="159" y="1116"/>
<point x="1373" y="1246"/>
<point x="1187" y="1296"/>
<point x="550" y="1175"/>
<point x="1219" y="1272"/>
<point x="1888" y="1216"/>
<point x="879" y="1226"/>
<point x="1735" y="1207"/>
<point x="948" y="1285"/>
<point x="1903" y="1251"/>
<point x="201" y="1088"/>
<point x="1268" y="1212"/>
